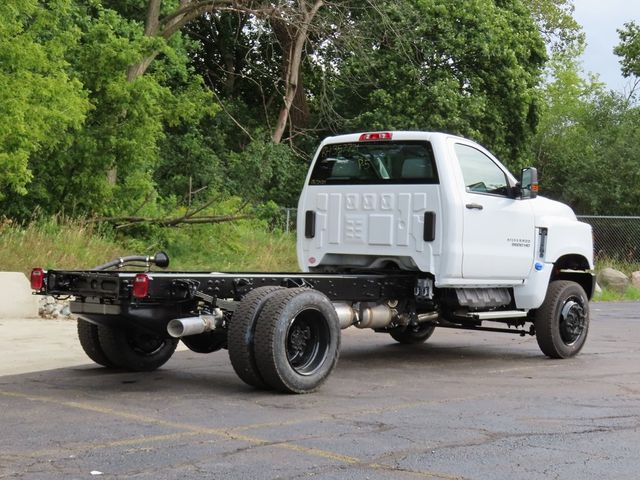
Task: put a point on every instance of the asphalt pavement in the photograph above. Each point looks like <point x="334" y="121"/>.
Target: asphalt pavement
<point x="463" y="405"/>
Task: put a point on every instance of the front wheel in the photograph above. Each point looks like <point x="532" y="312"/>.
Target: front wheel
<point x="136" y="350"/>
<point x="562" y="322"/>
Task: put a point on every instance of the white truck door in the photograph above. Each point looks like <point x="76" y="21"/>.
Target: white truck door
<point x="498" y="236"/>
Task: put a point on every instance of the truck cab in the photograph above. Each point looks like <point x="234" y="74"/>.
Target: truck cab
<point x="439" y="204"/>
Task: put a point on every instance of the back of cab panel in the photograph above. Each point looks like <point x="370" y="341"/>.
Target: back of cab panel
<point x="371" y="202"/>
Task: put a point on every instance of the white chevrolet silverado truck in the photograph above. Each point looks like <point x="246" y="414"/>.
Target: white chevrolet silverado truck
<point x="399" y="232"/>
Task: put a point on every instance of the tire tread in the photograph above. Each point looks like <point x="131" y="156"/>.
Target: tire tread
<point x="547" y="334"/>
<point x="241" y="335"/>
<point x="115" y="346"/>
<point x="90" y="343"/>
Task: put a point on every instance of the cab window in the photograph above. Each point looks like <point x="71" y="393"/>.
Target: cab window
<point x="481" y="174"/>
<point x="371" y="163"/>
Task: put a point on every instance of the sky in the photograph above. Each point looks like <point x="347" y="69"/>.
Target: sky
<point x="599" y="20"/>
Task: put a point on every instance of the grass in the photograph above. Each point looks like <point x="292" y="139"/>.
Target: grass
<point x="53" y="243"/>
<point x="62" y="243"/>
<point x="246" y="245"/>
<point x="631" y="294"/>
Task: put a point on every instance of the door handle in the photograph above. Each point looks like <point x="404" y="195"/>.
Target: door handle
<point x="474" y="206"/>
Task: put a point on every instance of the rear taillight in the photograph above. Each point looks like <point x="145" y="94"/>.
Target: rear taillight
<point x="367" y="137"/>
<point x="140" y="285"/>
<point x="37" y="279"/>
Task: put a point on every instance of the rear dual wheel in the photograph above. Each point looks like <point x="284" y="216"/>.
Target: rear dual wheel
<point x="130" y="349"/>
<point x="241" y="332"/>
<point x="90" y="342"/>
<point x="136" y="350"/>
<point x="293" y="340"/>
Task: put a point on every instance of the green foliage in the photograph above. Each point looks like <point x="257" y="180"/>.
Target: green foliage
<point x="469" y="68"/>
<point x="629" y="49"/>
<point x="64" y="243"/>
<point x="556" y="23"/>
<point x="631" y="294"/>
<point x="266" y="171"/>
<point x="54" y="242"/>
<point x="586" y="146"/>
<point x="42" y="102"/>
<point x="123" y="123"/>
<point x="81" y="134"/>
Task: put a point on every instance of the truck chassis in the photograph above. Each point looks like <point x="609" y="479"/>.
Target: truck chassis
<point x="282" y="330"/>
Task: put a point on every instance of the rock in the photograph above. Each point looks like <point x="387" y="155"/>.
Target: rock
<point x="635" y="279"/>
<point x="613" y="279"/>
<point x="52" y="308"/>
<point x="598" y="289"/>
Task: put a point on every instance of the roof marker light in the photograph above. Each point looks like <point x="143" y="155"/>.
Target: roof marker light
<point x="368" y="137"/>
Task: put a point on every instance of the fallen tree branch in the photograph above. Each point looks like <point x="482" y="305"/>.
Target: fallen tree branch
<point x="124" y="222"/>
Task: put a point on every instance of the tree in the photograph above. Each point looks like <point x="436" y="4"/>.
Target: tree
<point x="629" y="49"/>
<point x="290" y="21"/>
<point x="556" y="24"/>
<point x="43" y="103"/>
<point x="467" y="67"/>
<point x="586" y="148"/>
<point x="123" y="124"/>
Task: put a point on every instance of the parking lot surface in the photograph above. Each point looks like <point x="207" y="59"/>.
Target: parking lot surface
<point x="463" y="405"/>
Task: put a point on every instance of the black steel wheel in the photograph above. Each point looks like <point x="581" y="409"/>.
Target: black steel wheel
<point x="297" y="340"/>
<point x="241" y="333"/>
<point x="136" y="350"/>
<point x="411" y="335"/>
<point x="90" y="342"/>
<point x="562" y="322"/>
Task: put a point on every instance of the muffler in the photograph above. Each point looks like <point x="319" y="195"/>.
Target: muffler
<point x="377" y="316"/>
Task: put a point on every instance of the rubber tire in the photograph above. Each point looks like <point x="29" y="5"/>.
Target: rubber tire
<point x="413" y="335"/>
<point x="122" y="349"/>
<point x="207" y="342"/>
<point x="271" y="338"/>
<point x="241" y="333"/>
<point x="547" y="319"/>
<point x="90" y="342"/>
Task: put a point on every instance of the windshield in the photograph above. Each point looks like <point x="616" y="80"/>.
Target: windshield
<point x="366" y="163"/>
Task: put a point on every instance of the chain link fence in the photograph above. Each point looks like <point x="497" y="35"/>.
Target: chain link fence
<point x="615" y="239"/>
<point x="287" y="221"/>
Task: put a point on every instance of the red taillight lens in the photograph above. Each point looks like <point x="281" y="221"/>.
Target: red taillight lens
<point x="37" y="279"/>
<point x="375" y="136"/>
<point x="140" y="285"/>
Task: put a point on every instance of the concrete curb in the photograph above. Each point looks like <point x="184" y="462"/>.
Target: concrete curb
<point x="16" y="299"/>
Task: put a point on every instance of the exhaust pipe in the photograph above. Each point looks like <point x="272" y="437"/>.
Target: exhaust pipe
<point x="377" y="316"/>
<point x="183" y="327"/>
<point x="428" y="317"/>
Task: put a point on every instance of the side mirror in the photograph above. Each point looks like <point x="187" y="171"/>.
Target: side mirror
<point x="529" y="183"/>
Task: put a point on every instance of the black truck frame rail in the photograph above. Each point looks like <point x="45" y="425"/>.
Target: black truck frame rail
<point x="117" y="287"/>
<point x="116" y="298"/>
